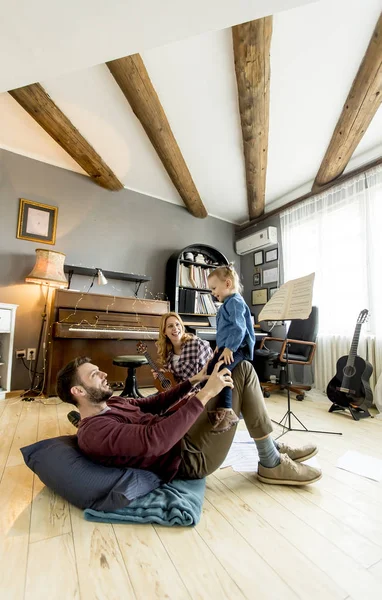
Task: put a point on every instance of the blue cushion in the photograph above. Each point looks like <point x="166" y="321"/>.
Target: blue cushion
<point x="60" y="464"/>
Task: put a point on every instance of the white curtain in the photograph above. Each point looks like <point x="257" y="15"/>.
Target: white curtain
<point x="338" y="235"/>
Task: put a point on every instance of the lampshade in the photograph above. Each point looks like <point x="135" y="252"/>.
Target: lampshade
<point x="101" y="278"/>
<point x="49" y="269"/>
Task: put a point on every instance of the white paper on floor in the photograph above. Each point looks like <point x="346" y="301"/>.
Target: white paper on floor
<point x="243" y="456"/>
<point x="361" y="464"/>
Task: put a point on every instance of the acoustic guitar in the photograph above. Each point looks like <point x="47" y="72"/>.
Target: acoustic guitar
<point x="165" y="379"/>
<point x="350" y="387"/>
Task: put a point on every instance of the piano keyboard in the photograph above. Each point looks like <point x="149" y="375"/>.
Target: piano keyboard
<point x="116" y="329"/>
<point x="75" y="331"/>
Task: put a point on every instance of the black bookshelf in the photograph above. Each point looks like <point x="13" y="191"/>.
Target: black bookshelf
<point x="213" y="258"/>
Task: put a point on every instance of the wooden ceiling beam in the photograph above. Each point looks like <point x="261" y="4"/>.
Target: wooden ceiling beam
<point x="131" y="75"/>
<point x="251" y="47"/>
<point x="35" y="100"/>
<point x="362" y="103"/>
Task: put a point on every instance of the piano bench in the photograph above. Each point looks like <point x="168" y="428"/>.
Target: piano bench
<point x="131" y="362"/>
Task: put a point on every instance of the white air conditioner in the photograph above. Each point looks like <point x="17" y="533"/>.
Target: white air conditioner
<point x="260" y="239"/>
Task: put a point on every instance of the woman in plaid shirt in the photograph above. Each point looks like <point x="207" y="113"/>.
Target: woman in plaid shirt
<point x="182" y="353"/>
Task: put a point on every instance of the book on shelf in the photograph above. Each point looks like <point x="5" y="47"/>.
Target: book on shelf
<point x="192" y="301"/>
<point x="193" y="276"/>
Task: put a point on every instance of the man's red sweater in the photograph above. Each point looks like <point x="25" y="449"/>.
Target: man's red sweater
<point x="136" y="433"/>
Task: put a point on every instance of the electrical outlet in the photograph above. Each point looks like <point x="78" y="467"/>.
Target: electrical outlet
<point x="21" y="353"/>
<point x="31" y="355"/>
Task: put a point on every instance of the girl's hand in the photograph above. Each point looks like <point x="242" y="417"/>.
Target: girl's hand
<point x="227" y="356"/>
<point x="216" y="350"/>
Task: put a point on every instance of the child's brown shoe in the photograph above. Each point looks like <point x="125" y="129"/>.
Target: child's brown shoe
<point x="222" y="419"/>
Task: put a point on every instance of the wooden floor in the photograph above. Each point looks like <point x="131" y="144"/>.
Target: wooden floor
<point x="254" y="541"/>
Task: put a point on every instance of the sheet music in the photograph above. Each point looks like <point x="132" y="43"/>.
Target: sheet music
<point x="292" y="301"/>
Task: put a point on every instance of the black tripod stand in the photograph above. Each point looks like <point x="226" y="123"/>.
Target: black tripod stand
<point x="286" y="421"/>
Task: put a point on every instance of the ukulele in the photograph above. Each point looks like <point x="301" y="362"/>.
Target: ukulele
<point x="165" y="379"/>
<point x="350" y="387"/>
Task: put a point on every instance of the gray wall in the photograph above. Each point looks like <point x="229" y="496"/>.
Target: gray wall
<point x="117" y="231"/>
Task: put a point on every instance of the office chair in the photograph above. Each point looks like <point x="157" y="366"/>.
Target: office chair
<point x="301" y="340"/>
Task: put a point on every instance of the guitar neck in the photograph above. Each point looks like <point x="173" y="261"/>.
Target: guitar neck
<point x="155" y="367"/>
<point x="354" y="345"/>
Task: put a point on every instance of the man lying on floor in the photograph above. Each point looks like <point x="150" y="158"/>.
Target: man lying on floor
<point x="177" y="441"/>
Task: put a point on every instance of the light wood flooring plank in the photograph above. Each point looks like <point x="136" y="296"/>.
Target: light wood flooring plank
<point x="348" y="574"/>
<point x="371" y="489"/>
<point x="101" y="569"/>
<point x="50" y="514"/>
<point x="376" y="570"/>
<point x="48" y="422"/>
<point x="51" y="571"/>
<point x="310" y="505"/>
<point x="271" y="545"/>
<point x="356" y="521"/>
<point x="15" y="494"/>
<point x="201" y="572"/>
<point x="227" y="545"/>
<point x="151" y="570"/>
<point x="3" y="404"/>
<point x="25" y="433"/>
<point x="346" y="494"/>
<point x="8" y="424"/>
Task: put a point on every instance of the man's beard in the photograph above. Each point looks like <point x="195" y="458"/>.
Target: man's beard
<point x="97" y="396"/>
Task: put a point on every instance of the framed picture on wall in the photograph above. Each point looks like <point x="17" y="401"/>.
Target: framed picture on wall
<point x="271" y="255"/>
<point x="270" y="275"/>
<point x="258" y="258"/>
<point x="37" y="222"/>
<point x="259" y="296"/>
<point x="257" y="279"/>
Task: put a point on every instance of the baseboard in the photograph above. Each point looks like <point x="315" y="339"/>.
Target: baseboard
<point x="14" y="393"/>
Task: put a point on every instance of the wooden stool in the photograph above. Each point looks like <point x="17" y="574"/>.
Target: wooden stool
<point x="131" y="362"/>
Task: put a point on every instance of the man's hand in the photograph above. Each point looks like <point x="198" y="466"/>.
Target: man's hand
<point x="216" y="382"/>
<point x="227" y="356"/>
<point x="199" y="377"/>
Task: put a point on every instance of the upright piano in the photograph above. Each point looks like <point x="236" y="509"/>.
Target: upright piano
<point x="101" y="327"/>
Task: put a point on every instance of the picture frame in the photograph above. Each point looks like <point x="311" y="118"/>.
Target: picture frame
<point x="270" y="275"/>
<point x="271" y="291"/>
<point x="257" y="279"/>
<point x="271" y="255"/>
<point x="258" y="258"/>
<point x="37" y="222"/>
<point x="259" y="296"/>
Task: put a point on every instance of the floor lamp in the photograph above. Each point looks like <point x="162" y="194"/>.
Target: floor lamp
<point x="48" y="271"/>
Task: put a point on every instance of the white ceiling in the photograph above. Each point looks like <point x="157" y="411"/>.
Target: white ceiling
<point x="316" y="51"/>
<point x="43" y="38"/>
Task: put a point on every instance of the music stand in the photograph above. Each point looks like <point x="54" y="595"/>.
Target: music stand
<point x="292" y="301"/>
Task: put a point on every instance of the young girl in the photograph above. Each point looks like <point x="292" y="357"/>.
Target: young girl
<point x="235" y="338"/>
